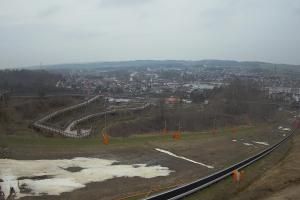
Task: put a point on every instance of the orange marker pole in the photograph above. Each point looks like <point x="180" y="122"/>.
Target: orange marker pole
<point x="236" y="176"/>
<point x="105" y="139"/>
<point x="176" y="135"/>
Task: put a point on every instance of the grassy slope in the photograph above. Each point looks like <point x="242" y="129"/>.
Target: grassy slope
<point x="134" y="140"/>
<point x="258" y="181"/>
<point x="281" y="182"/>
<point x="28" y="147"/>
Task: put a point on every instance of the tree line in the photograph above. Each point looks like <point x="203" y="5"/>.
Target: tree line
<point x="21" y="81"/>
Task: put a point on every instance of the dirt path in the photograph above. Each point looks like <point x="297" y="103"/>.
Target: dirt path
<point x="280" y="182"/>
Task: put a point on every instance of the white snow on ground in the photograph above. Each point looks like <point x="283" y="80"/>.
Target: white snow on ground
<point x="250" y="144"/>
<point x="262" y="143"/>
<point x="283" y="129"/>
<point x="59" y="179"/>
<point x="184" y="158"/>
<point x="247" y="144"/>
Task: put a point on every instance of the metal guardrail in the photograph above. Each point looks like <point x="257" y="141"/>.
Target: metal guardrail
<point x="185" y="190"/>
<point x="40" y="126"/>
<point x="69" y="109"/>
<point x="101" y="114"/>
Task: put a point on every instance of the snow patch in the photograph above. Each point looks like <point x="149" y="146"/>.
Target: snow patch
<point x="39" y="177"/>
<point x="183" y="158"/>
<point x="284" y="129"/>
<point x="247" y="144"/>
<point x="262" y="143"/>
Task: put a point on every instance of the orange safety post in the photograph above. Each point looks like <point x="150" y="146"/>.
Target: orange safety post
<point x="105" y="138"/>
<point x="236" y="176"/>
<point x="176" y="135"/>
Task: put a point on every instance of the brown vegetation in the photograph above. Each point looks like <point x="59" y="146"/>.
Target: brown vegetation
<point x="17" y="115"/>
<point x="37" y="82"/>
<point x="238" y="103"/>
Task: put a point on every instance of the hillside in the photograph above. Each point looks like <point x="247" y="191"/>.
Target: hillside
<point x="169" y="63"/>
<point x="34" y="82"/>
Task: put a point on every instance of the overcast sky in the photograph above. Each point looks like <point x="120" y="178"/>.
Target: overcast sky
<point x="64" y="31"/>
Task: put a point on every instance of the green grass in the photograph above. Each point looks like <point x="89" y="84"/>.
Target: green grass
<point x="27" y="140"/>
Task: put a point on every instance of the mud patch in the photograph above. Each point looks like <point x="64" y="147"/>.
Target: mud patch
<point x="24" y="189"/>
<point x="35" y="177"/>
<point x="73" y="169"/>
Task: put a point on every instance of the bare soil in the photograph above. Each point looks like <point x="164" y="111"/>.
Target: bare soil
<point x="213" y="149"/>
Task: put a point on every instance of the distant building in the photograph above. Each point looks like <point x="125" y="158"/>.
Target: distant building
<point x="283" y="93"/>
<point x="172" y="100"/>
<point x="186" y="101"/>
<point x="119" y="100"/>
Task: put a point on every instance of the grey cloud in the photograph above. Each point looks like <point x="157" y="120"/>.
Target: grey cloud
<point x="49" y="11"/>
<point x="85" y="35"/>
<point x="123" y="2"/>
<point x="55" y="31"/>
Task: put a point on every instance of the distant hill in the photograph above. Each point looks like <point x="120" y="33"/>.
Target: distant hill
<point x="166" y="63"/>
